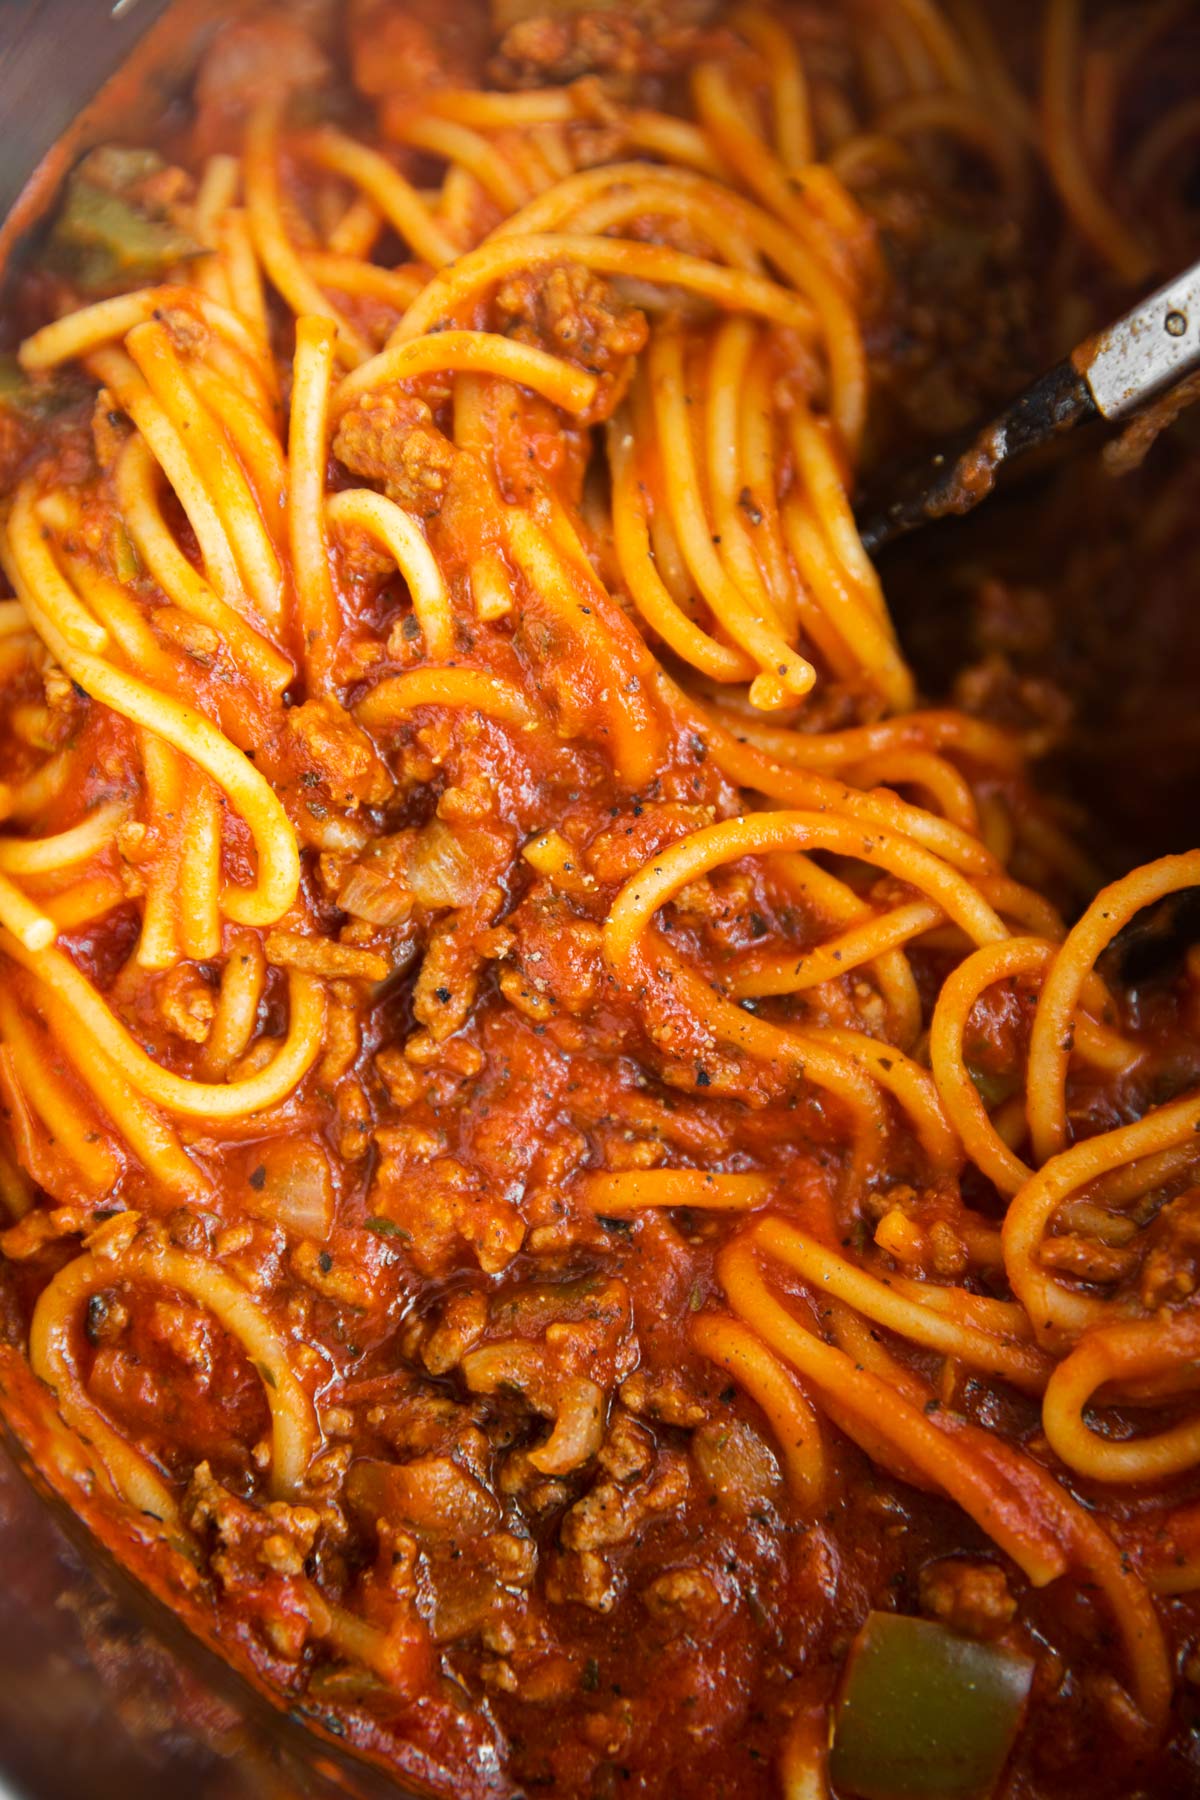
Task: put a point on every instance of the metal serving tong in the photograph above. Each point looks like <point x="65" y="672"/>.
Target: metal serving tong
<point x="1110" y="376"/>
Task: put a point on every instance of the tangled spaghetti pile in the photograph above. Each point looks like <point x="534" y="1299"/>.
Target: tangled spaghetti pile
<point x="470" y="831"/>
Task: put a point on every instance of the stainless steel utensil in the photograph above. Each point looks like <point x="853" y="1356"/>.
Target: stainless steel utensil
<point x="101" y="1689"/>
<point x="1111" y="376"/>
<point x="54" y="56"/>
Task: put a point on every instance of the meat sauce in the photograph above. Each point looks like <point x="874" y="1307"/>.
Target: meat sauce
<point x="575" y="1526"/>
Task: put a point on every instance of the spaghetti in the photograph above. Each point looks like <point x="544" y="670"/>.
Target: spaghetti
<point x="558" y="1145"/>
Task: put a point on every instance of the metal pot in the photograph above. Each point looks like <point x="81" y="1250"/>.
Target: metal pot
<point x="102" y="1691"/>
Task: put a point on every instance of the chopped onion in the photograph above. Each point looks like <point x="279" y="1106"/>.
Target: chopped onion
<point x="442" y="871"/>
<point x="335" y="833"/>
<point x="435" y="867"/>
<point x="576" y="1404"/>
<point x="290" y="1184"/>
<point x="736" y="1463"/>
<point x="430" y="1495"/>
<point x="369" y="894"/>
<point x="515" y="1365"/>
<point x="578" y="1428"/>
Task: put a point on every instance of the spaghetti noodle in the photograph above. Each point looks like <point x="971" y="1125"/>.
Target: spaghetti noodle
<point x="557" y="1142"/>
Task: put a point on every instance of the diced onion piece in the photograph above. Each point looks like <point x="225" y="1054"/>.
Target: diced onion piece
<point x="441" y="870"/>
<point x="578" y="1429"/>
<point x="737" y="1464"/>
<point x="431" y="1495"/>
<point x="370" y="894"/>
<point x="292" y="1186"/>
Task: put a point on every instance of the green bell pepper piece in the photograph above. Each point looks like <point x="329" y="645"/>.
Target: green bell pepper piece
<point x="12" y="380"/>
<point x="104" y="240"/>
<point x="924" y="1714"/>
